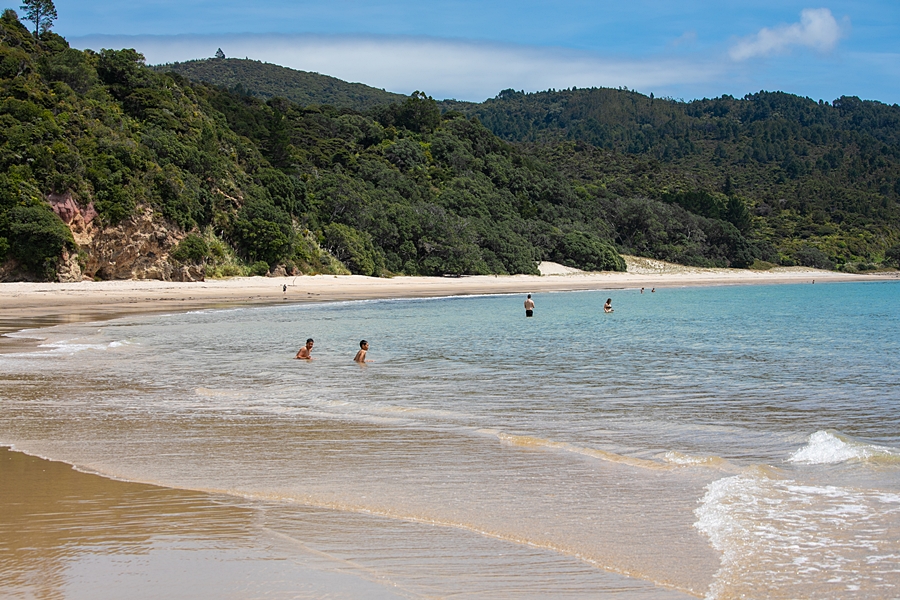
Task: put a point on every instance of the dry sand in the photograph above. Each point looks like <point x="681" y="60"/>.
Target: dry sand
<point x="41" y="304"/>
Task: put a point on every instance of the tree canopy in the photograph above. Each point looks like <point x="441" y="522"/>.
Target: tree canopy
<point x="40" y="12"/>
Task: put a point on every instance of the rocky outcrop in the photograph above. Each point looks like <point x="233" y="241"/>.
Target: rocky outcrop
<point x="137" y="248"/>
<point x="79" y="219"/>
<point x="69" y="270"/>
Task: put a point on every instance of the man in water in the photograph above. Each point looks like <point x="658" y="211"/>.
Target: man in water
<point x="608" y="306"/>
<point x="304" y="352"/>
<point x="361" y="355"/>
<point x="529" y="306"/>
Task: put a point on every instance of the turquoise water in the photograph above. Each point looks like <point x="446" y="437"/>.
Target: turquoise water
<point x="715" y="441"/>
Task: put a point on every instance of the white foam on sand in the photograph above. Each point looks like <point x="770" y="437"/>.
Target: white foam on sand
<point x="767" y="527"/>
<point x="825" y="447"/>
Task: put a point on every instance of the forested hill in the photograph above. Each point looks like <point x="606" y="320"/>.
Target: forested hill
<point x="265" y="80"/>
<point x="109" y="169"/>
<point x="821" y="179"/>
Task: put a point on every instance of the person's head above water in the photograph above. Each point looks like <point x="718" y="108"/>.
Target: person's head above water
<point x="310" y="341"/>
<point x="529" y="295"/>
<point x="363" y="343"/>
<point x="608" y="300"/>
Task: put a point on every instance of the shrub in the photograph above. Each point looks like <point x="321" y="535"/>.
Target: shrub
<point x="588" y="252"/>
<point x="353" y="248"/>
<point x="38" y="237"/>
<point x="259" y="268"/>
<point x="192" y="249"/>
<point x="892" y="255"/>
<point x="813" y="257"/>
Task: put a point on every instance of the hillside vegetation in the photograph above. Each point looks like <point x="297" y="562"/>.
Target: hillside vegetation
<point x="265" y="81"/>
<point x="821" y="180"/>
<point x="105" y="162"/>
<point x="399" y="190"/>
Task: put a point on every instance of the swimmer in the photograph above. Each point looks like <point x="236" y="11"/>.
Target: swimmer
<point x="529" y="306"/>
<point x="303" y="353"/>
<point x="608" y="306"/>
<point x="642" y="290"/>
<point x="361" y="355"/>
<point x="653" y="291"/>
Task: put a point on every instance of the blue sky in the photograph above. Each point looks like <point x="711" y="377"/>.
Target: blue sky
<point x="470" y="50"/>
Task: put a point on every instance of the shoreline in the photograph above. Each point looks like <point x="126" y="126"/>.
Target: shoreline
<point x="35" y="305"/>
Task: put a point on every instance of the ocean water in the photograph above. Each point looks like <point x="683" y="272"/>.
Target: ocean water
<point x="719" y="442"/>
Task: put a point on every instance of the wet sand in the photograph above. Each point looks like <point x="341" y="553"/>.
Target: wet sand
<point x="68" y="534"/>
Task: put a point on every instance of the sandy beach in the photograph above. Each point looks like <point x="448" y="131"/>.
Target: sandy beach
<point x="44" y="304"/>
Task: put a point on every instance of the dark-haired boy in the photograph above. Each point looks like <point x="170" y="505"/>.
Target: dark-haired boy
<point x="304" y="352"/>
<point x="361" y="355"/>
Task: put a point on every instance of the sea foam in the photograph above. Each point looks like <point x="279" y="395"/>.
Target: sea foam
<point x="827" y="447"/>
<point x="766" y="526"/>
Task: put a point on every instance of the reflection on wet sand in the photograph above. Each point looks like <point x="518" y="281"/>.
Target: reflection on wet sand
<point x="67" y="534"/>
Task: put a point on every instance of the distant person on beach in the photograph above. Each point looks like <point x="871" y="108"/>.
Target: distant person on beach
<point x="608" y="306"/>
<point x="304" y="352"/>
<point x="529" y="306"/>
<point x="284" y="288"/>
<point x="361" y="355"/>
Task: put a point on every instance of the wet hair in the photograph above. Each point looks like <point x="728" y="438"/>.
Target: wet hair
<point x="362" y="343"/>
<point x="308" y="340"/>
<point x="608" y="300"/>
<point x="529" y="295"/>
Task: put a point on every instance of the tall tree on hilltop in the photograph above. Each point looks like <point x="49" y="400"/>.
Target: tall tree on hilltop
<point x="40" y="12"/>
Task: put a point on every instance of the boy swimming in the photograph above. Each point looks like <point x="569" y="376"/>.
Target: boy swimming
<point x="361" y="355"/>
<point x="303" y="353"/>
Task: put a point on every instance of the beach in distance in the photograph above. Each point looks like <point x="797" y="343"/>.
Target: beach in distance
<point x="26" y="304"/>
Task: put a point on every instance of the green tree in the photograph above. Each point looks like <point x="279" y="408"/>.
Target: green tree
<point x="40" y="12"/>
<point x="892" y="255"/>
<point x="192" y="249"/>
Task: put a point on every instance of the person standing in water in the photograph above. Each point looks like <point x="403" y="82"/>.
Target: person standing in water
<point x="529" y="306"/>
<point x="304" y="352"/>
<point x="608" y="306"/>
<point x="361" y="355"/>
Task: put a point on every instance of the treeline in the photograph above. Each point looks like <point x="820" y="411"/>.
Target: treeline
<point x="265" y="81"/>
<point x="820" y="179"/>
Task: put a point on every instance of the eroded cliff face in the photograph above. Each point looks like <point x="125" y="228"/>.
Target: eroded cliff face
<point x="136" y="248"/>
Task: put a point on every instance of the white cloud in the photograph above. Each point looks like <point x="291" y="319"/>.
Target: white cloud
<point x="817" y="29"/>
<point x="443" y="68"/>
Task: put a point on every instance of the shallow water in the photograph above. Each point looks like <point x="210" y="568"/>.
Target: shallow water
<point x="722" y="442"/>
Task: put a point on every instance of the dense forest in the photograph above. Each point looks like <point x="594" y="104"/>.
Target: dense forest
<point x="821" y="180"/>
<point x="259" y="185"/>
<point x="230" y="177"/>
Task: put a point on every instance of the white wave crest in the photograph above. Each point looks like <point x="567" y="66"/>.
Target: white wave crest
<point x="825" y="447"/>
